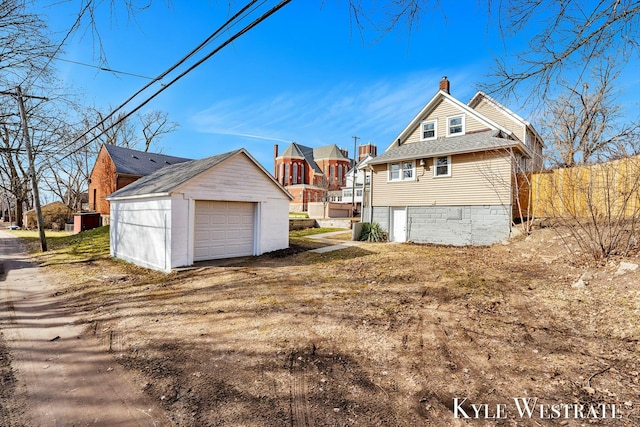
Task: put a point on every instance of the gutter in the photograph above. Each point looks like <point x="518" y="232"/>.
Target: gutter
<point x="137" y="197"/>
<point x="449" y="153"/>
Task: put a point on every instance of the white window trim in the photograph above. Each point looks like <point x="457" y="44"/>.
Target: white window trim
<point x="435" y="129"/>
<point x="435" y="167"/>
<point x="401" y="177"/>
<point x="464" y="129"/>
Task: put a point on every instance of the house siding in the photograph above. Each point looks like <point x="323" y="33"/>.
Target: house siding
<point x="141" y="232"/>
<point x="443" y="110"/>
<point x="502" y="118"/>
<point x="476" y="179"/>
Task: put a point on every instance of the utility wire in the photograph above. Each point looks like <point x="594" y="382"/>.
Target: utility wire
<point x="201" y="61"/>
<point x="61" y="44"/>
<point x="103" y="68"/>
<point x="159" y="77"/>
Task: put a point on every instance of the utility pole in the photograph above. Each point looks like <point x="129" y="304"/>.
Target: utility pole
<point x="32" y="171"/>
<point x="353" y="181"/>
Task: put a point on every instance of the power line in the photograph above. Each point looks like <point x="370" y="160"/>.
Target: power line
<point x="160" y="76"/>
<point x="61" y="44"/>
<point x="194" y="66"/>
<point x="98" y="67"/>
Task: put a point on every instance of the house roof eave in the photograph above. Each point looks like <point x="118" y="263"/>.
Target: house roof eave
<point x="515" y="144"/>
<point x="432" y="104"/>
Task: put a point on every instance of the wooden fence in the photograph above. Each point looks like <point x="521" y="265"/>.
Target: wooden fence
<point x="600" y="191"/>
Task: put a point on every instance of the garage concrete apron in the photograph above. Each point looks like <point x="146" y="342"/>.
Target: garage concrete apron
<point x="66" y="378"/>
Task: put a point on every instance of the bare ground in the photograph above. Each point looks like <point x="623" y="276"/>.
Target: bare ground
<point x="380" y="334"/>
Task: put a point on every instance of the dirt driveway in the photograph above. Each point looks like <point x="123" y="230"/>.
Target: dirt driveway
<point x="58" y="375"/>
<point x="379" y="334"/>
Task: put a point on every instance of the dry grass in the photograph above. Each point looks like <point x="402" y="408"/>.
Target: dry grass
<point x="377" y="334"/>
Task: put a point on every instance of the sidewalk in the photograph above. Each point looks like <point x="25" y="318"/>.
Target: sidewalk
<point x="64" y="377"/>
<point x="326" y="237"/>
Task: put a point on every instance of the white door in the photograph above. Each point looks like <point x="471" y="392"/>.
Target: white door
<point x="398" y="225"/>
<point x="223" y="230"/>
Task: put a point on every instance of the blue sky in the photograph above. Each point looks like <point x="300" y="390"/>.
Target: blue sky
<point x="304" y="75"/>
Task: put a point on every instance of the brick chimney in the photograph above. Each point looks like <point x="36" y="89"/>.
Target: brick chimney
<point x="365" y="150"/>
<point x="444" y="84"/>
<point x="275" y="164"/>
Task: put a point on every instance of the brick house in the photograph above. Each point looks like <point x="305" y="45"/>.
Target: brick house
<point x="310" y="173"/>
<point x="117" y="167"/>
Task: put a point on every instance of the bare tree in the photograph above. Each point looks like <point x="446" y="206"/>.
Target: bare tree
<point x="140" y="132"/>
<point x="91" y="15"/>
<point x="585" y="125"/>
<point x="13" y="173"/>
<point x="24" y="47"/>
<point x="595" y="209"/>
<point x="576" y="37"/>
<point x="155" y="124"/>
<point x="509" y="172"/>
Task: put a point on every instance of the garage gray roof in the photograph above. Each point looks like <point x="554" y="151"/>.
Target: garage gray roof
<point x="135" y="162"/>
<point x="470" y="143"/>
<point x="170" y="177"/>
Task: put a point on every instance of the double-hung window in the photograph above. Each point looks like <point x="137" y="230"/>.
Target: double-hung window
<point x="455" y="125"/>
<point x="428" y="130"/>
<point x="407" y="170"/>
<point x="442" y="166"/>
<point x="402" y="171"/>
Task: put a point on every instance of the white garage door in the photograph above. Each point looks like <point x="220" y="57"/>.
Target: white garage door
<point x="223" y="230"/>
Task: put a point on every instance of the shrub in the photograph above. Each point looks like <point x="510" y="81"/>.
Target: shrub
<point x="372" y="232"/>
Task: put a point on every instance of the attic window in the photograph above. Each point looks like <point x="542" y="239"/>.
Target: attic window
<point x="455" y="125"/>
<point x="428" y="130"/>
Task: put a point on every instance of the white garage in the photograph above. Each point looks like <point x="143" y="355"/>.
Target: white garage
<point x="220" y="207"/>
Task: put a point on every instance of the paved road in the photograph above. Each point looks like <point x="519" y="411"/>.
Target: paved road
<point x="64" y="377"/>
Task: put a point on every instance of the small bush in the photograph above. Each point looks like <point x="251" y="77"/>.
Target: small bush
<point x="372" y="232"/>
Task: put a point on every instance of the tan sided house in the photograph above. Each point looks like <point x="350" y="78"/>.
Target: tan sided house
<point x="449" y="177"/>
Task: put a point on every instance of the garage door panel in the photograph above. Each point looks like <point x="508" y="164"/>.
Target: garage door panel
<point x="202" y="219"/>
<point x="218" y="219"/>
<point x="223" y="230"/>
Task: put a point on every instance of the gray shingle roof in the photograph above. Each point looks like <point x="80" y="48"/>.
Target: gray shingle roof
<point x="328" y="152"/>
<point x="170" y="177"/>
<point x="299" y="150"/>
<point x="293" y="150"/>
<point x="135" y="162"/>
<point x="471" y="143"/>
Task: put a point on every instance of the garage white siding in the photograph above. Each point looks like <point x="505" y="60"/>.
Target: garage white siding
<point x="223" y="230"/>
<point x="141" y="232"/>
<point x="274" y="234"/>
<point x="220" y="207"/>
